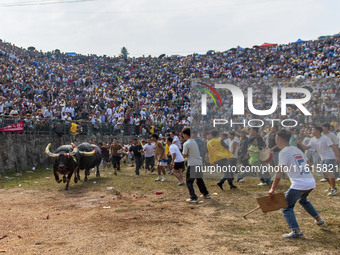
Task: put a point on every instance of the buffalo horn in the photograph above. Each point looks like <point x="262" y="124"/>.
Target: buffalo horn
<point x="75" y="149"/>
<point x="85" y="153"/>
<point x="50" y="154"/>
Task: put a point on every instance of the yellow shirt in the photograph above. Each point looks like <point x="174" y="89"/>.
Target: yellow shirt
<point x="166" y="149"/>
<point x="74" y="128"/>
<point x="217" y="151"/>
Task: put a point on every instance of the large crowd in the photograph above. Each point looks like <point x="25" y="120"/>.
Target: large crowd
<point x="152" y="94"/>
<point x="300" y="155"/>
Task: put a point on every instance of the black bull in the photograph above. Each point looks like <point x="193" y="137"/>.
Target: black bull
<point x="67" y="158"/>
<point x="89" y="162"/>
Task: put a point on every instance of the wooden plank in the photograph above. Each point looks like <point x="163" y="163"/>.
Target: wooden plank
<point x="268" y="205"/>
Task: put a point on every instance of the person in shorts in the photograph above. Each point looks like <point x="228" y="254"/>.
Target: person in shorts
<point x="177" y="161"/>
<point x="161" y="157"/>
<point x="328" y="154"/>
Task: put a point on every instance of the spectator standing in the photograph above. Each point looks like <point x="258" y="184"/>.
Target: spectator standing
<point x="177" y="161"/>
<point x="191" y="152"/>
<point x="326" y="149"/>
<point x="115" y="153"/>
<point x="137" y="150"/>
<point x="149" y="151"/>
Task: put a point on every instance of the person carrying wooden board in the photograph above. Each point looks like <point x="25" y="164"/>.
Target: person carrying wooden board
<point x="294" y="163"/>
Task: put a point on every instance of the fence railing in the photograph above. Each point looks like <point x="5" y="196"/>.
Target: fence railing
<point x="48" y="126"/>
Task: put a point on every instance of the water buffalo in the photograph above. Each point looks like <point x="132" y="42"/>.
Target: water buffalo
<point x="67" y="158"/>
<point x="89" y="162"/>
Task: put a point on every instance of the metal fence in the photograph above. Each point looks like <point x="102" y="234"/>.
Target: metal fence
<point x="48" y="126"/>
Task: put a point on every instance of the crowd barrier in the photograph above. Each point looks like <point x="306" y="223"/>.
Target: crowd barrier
<point x="48" y="126"/>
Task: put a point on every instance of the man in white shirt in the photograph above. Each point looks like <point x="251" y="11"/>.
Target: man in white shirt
<point x="48" y="112"/>
<point x="233" y="147"/>
<point x="328" y="154"/>
<point x="192" y="153"/>
<point x="326" y="131"/>
<point x="176" y="140"/>
<point x="177" y="161"/>
<point x="70" y="109"/>
<point x="311" y="154"/>
<point x="149" y="151"/>
<point x="294" y="162"/>
<point x="109" y="111"/>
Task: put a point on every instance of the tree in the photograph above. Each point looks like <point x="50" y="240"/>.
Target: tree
<point x="124" y="53"/>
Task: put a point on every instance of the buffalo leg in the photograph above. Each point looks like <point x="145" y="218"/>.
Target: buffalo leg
<point x="68" y="180"/>
<point x="76" y="173"/>
<point x="86" y="173"/>
<point x="56" y="176"/>
<point x="97" y="173"/>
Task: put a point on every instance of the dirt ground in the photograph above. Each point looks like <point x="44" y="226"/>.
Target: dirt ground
<point x="93" y="220"/>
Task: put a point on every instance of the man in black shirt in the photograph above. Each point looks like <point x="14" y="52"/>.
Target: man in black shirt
<point x="137" y="150"/>
<point x="59" y="129"/>
<point x="243" y="153"/>
<point x="254" y="132"/>
<point x="271" y="144"/>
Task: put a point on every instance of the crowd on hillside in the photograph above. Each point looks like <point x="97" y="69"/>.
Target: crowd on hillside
<point x="153" y="93"/>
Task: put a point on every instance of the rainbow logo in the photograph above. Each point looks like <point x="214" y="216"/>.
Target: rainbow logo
<point x="210" y="94"/>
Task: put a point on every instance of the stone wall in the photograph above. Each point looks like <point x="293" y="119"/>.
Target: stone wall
<point x="24" y="151"/>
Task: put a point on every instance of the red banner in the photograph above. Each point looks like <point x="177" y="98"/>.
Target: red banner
<point x="17" y="127"/>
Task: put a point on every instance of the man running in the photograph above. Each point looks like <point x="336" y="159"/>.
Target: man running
<point x="219" y="154"/>
<point x="115" y="155"/>
<point x="137" y="150"/>
<point x="177" y="161"/>
<point x="192" y="153"/>
<point x="328" y="154"/>
<point x="176" y="139"/>
<point x="326" y="131"/>
<point x="294" y="162"/>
